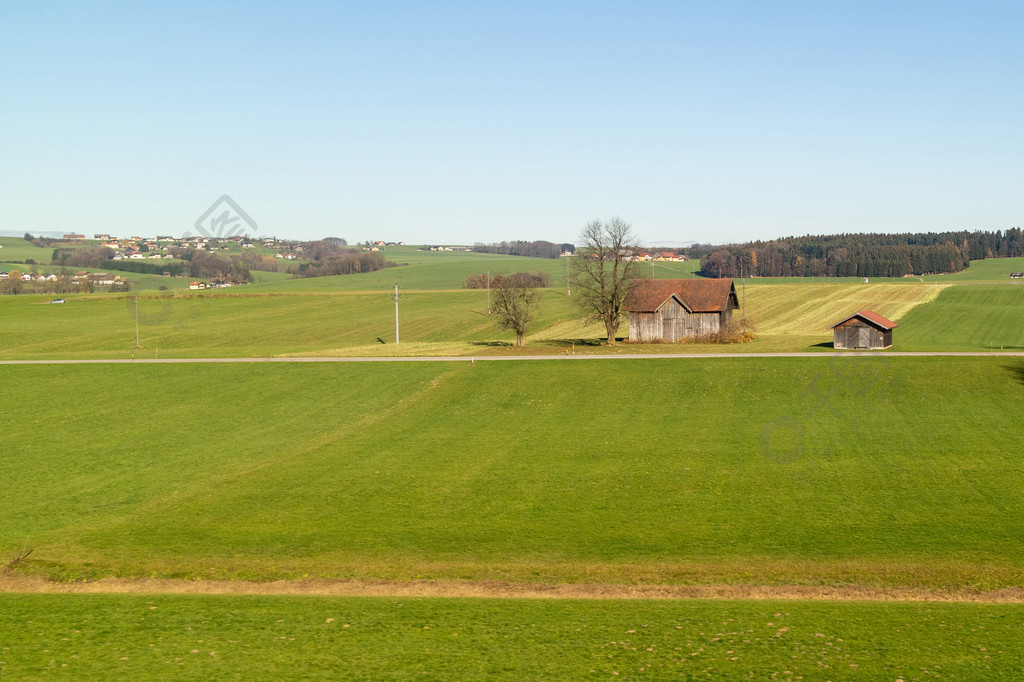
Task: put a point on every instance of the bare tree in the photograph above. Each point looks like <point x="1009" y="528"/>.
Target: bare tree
<point x="515" y="302"/>
<point x="602" y="270"/>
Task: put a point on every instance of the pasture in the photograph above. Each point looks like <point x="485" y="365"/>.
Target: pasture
<point x="426" y="270"/>
<point x="969" y="317"/>
<point x="740" y="472"/>
<point x="204" y="637"/>
<point x="293" y="318"/>
<point x="988" y="270"/>
<point x="747" y="470"/>
<point x="16" y="248"/>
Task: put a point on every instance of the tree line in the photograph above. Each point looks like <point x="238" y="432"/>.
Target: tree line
<point x="536" y="249"/>
<point x="857" y="255"/>
<point x="342" y="262"/>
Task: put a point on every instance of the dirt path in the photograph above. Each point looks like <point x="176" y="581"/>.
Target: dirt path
<point x="429" y="588"/>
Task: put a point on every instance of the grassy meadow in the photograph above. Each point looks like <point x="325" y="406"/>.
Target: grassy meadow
<point x="988" y="270"/>
<point x="259" y="321"/>
<point x="353" y="315"/>
<point x="741" y="470"/>
<point x="16" y="248"/>
<point x="849" y="473"/>
<point x="976" y="317"/>
<point x="203" y="637"/>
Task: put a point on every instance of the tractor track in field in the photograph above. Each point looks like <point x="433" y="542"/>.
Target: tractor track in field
<point x="502" y="590"/>
<point x="485" y="358"/>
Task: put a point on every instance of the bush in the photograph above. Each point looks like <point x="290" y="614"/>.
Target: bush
<point x="734" y="333"/>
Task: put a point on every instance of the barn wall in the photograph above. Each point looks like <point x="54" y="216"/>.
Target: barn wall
<point x="673" y="320"/>
<point x="644" y="327"/>
<point x="705" y="323"/>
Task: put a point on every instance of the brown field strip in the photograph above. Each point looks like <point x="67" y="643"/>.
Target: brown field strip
<point x="504" y="590"/>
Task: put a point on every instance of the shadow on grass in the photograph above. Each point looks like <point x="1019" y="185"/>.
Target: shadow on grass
<point x="569" y="343"/>
<point x="492" y="344"/>
<point x="826" y="344"/>
<point x="1018" y="371"/>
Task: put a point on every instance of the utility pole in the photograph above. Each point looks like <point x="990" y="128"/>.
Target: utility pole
<point x="396" y="311"/>
<point x="568" y="294"/>
<point x="136" y="320"/>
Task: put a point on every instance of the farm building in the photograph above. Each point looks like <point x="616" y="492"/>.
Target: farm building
<point x="863" y="330"/>
<point x="673" y="309"/>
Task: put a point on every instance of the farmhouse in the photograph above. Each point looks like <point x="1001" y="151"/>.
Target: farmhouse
<point x="673" y="309"/>
<point x="862" y="331"/>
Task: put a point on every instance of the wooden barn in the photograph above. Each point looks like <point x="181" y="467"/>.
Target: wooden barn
<point x="673" y="309"/>
<point x="864" y="330"/>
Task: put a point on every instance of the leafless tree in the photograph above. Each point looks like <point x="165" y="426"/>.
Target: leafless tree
<point x="515" y="302"/>
<point x="602" y="270"/>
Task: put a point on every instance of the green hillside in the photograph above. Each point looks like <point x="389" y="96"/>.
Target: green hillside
<point x="988" y="270"/>
<point x="969" y="317"/>
<point x="16" y="248"/>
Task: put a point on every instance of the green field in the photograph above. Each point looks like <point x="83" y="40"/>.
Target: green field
<point x="745" y="470"/>
<point x="988" y="270"/>
<point x="354" y="314"/>
<point x="976" y="317"/>
<point x="428" y="270"/>
<point x="16" y="248"/>
<point x="853" y="474"/>
<point x="226" y="323"/>
<point x="202" y="637"/>
<point x="295" y="318"/>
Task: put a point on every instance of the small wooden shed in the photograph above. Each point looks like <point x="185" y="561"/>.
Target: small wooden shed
<point x="672" y="309"/>
<point x="864" y="330"/>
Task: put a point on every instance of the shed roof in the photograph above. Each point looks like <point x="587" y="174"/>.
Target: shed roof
<point x="868" y="316"/>
<point x="697" y="295"/>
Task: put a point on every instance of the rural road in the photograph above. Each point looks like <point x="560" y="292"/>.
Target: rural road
<point x="484" y="358"/>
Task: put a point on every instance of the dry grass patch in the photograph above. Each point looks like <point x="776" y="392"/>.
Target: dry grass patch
<point x="813" y="308"/>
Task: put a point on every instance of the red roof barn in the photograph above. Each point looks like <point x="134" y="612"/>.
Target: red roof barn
<point x="863" y="330"/>
<point x="673" y="309"/>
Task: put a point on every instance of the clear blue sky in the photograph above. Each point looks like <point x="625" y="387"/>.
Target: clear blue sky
<point x="481" y="121"/>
